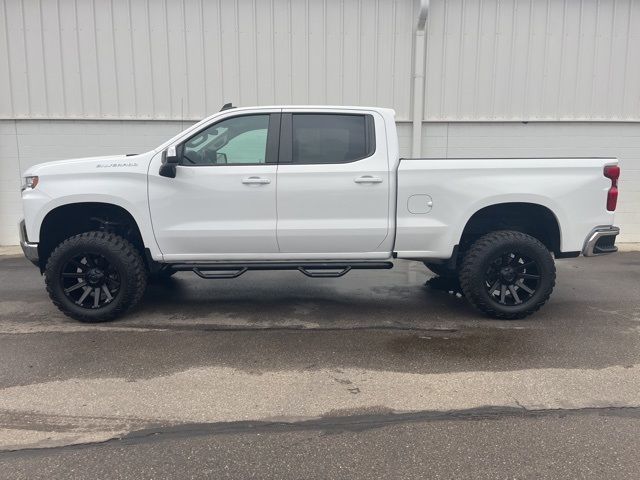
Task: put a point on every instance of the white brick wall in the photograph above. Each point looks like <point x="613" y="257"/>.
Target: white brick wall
<point x="26" y="142"/>
<point x="10" y="206"/>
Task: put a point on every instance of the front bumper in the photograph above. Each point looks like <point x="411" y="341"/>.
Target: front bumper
<point x="30" y="249"/>
<point x="600" y="241"/>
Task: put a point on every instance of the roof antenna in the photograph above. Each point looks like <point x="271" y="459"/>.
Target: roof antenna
<point x="227" y="106"/>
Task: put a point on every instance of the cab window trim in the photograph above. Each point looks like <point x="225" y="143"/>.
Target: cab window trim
<point x="286" y="137"/>
<point x="271" y="146"/>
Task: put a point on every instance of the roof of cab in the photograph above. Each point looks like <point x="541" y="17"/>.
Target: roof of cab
<point x="312" y="107"/>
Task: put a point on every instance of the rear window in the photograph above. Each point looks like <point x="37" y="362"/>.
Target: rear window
<point x="330" y="138"/>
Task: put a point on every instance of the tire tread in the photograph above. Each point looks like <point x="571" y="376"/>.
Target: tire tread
<point x="119" y="246"/>
<point x="475" y="255"/>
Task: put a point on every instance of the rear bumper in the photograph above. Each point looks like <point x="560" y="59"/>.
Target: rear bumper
<point x="30" y="249"/>
<point x="600" y="241"/>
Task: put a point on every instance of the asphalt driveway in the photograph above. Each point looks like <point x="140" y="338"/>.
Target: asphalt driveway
<point x="279" y="375"/>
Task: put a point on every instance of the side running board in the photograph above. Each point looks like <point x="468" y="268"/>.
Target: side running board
<point x="220" y="270"/>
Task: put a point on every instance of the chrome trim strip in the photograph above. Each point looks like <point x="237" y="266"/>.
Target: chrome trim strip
<point x="595" y="235"/>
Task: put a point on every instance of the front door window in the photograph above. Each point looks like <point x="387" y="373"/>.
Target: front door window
<point x="235" y="141"/>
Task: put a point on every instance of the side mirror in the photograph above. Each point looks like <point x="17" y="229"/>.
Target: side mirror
<point x="170" y="156"/>
<point x="169" y="161"/>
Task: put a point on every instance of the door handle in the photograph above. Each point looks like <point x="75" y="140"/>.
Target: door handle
<point x="368" y="179"/>
<point x="255" y="181"/>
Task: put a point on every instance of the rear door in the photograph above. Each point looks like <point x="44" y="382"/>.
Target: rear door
<point x="333" y="183"/>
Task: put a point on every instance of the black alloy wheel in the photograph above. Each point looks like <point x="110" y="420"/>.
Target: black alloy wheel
<point x="512" y="278"/>
<point x="90" y="280"/>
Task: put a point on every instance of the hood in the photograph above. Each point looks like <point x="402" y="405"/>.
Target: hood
<point x="109" y="162"/>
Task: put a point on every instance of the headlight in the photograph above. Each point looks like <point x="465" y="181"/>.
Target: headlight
<point x="30" y="182"/>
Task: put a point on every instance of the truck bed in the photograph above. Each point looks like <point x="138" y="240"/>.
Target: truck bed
<point x="437" y="196"/>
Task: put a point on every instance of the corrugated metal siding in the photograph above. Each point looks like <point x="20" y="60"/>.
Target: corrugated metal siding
<point x="533" y="60"/>
<point x="173" y="59"/>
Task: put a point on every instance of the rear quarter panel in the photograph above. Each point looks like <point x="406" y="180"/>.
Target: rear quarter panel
<point x="574" y="189"/>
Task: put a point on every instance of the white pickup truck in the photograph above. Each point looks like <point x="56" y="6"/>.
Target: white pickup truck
<point x="319" y="189"/>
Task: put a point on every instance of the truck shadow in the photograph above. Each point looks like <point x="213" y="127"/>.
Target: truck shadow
<point x="304" y="303"/>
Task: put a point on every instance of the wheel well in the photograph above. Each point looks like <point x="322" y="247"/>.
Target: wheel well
<point x="530" y="218"/>
<point x="69" y="220"/>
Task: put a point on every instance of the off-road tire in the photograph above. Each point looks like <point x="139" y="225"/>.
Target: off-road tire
<point x="124" y="257"/>
<point x="477" y="261"/>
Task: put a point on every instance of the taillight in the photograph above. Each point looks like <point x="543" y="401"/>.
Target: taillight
<point x="612" y="172"/>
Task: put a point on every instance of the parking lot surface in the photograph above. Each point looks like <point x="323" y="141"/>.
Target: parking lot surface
<point x="276" y="375"/>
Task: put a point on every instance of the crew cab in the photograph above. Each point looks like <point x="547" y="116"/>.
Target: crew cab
<point x="319" y="189"/>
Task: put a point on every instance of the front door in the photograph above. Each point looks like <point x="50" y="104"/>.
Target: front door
<point x="222" y="202"/>
<point x="333" y="184"/>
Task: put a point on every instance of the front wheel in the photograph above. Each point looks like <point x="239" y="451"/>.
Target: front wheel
<point x="507" y="275"/>
<point x="95" y="276"/>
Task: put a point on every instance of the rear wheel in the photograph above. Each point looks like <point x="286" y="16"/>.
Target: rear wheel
<point x="507" y="274"/>
<point x="95" y="276"/>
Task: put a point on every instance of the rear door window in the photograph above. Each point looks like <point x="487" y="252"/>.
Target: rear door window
<point x="331" y="138"/>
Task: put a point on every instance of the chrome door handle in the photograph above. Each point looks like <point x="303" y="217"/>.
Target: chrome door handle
<point x="255" y="181"/>
<point x="368" y="179"/>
